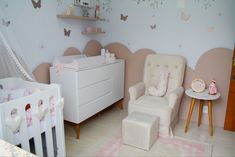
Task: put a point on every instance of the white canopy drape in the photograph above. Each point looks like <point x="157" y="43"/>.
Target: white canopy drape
<point x="12" y="65"/>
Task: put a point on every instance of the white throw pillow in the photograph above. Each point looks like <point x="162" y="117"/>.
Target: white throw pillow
<point x="161" y="88"/>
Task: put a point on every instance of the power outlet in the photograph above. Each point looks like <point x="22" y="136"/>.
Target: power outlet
<point x="205" y="109"/>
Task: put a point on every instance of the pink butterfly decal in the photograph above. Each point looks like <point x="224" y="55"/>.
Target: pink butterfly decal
<point x="36" y="4"/>
<point x="67" y="32"/>
<point x="124" y="18"/>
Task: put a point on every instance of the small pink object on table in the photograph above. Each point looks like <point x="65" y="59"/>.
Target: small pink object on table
<point x="212" y="90"/>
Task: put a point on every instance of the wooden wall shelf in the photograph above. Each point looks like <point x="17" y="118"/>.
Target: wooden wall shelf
<point x="87" y="33"/>
<point x="80" y="17"/>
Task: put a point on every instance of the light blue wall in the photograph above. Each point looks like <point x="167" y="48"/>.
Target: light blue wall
<point x="39" y="33"/>
<point x="211" y="24"/>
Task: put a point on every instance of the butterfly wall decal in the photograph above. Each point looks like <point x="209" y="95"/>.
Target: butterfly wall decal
<point x="5" y="23"/>
<point x="185" y="17"/>
<point x="123" y="17"/>
<point x="153" y="26"/>
<point x="36" y="4"/>
<point x="67" y="32"/>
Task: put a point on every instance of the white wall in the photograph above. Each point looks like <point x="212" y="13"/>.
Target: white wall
<point x="39" y="33"/>
<point x="211" y="24"/>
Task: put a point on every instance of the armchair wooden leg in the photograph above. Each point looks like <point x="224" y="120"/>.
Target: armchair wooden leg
<point x="200" y="112"/>
<point x="77" y="128"/>
<point x="190" y="114"/>
<point x="210" y="116"/>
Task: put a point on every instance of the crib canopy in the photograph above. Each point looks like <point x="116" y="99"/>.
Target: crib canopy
<point x="12" y="65"/>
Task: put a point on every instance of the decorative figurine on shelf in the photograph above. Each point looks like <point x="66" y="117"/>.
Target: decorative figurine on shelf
<point x="212" y="90"/>
<point x="85" y="11"/>
<point x="97" y="11"/>
<point x="70" y="10"/>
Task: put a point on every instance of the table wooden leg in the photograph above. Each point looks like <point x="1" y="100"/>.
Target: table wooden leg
<point x="77" y="128"/>
<point x="210" y="116"/>
<point x="200" y="112"/>
<point x="190" y="114"/>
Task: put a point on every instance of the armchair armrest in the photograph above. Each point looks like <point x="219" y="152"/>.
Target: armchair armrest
<point x="136" y="91"/>
<point x="175" y="97"/>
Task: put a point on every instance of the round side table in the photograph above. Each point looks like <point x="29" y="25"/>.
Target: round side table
<point x="203" y="96"/>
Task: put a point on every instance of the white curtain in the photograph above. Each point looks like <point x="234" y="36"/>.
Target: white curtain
<point x="12" y="65"/>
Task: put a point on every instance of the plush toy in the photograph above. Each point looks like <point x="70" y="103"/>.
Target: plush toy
<point x="161" y="88"/>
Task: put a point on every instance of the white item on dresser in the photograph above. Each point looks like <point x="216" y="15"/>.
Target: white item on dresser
<point x="91" y="89"/>
<point x="140" y="130"/>
<point x="14" y="113"/>
<point x="67" y="59"/>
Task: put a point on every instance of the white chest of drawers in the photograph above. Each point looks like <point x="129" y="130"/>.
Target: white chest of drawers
<point x="88" y="91"/>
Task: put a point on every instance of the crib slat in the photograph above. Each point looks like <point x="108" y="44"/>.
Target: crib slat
<point x="60" y="130"/>
<point x="9" y="137"/>
<point x="24" y="135"/>
<point x="37" y="133"/>
<point x="5" y="113"/>
<point x="49" y="141"/>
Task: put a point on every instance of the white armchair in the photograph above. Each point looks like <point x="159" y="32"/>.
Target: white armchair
<point x="165" y="107"/>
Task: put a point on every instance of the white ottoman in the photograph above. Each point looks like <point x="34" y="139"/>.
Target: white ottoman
<point x="140" y="130"/>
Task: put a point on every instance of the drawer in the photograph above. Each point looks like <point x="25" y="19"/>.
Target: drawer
<point x="94" y="107"/>
<point x="93" y="76"/>
<point x="95" y="91"/>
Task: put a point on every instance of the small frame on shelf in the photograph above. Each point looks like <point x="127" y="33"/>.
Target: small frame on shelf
<point x="84" y="5"/>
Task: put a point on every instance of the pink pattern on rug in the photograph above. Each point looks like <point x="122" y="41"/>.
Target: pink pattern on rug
<point x="192" y="149"/>
<point x="111" y="147"/>
<point x="187" y="146"/>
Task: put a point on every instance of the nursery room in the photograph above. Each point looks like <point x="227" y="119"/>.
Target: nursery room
<point x="117" y="78"/>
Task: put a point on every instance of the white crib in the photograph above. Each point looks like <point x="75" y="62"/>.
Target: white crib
<point x="43" y="135"/>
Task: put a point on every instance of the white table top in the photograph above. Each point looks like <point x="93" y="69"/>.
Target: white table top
<point x="9" y="150"/>
<point x="202" y="96"/>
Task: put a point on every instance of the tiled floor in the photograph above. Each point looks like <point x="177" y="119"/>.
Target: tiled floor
<point x="108" y="122"/>
<point x="223" y="142"/>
